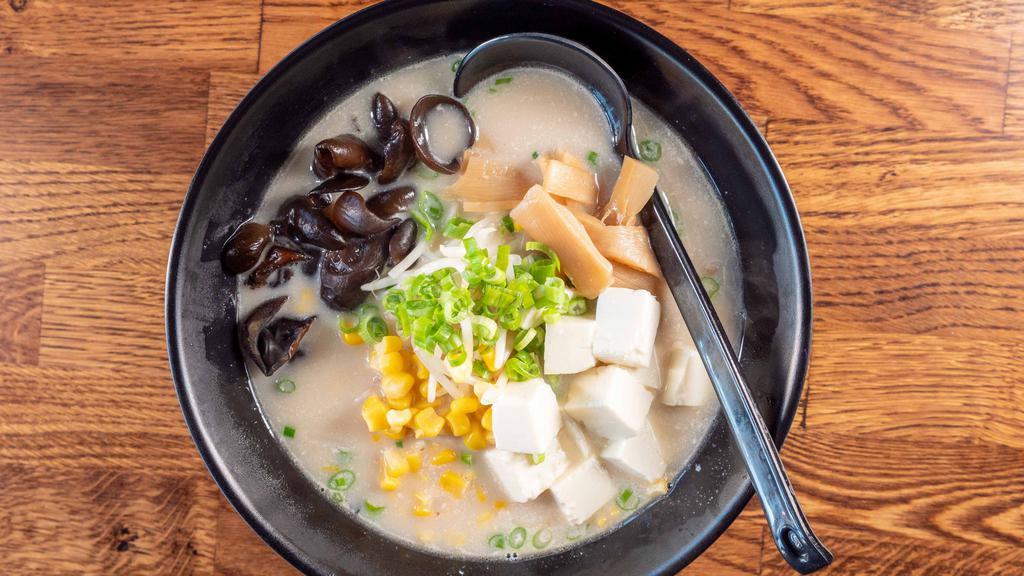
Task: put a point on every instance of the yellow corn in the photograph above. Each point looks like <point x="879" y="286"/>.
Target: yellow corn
<point x="389" y="344"/>
<point x="427" y="423"/>
<point x="387" y="483"/>
<point x="421" y="371"/>
<point x="374" y="411"/>
<point x="422" y="404"/>
<point x="489" y="436"/>
<point x="488" y="357"/>
<point x="485" y="420"/>
<point x="443" y="457"/>
<point x="453" y="483"/>
<point x="398" y="418"/>
<point x="352" y="338"/>
<point x="400" y="403"/>
<point x="395" y="465"/>
<point x="396" y="385"/>
<point x="465" y="405"/>
<point x="391" y="363"/>
<point x="456" y="539"/>
<point x="415" y="462"/>
<point x="484" y="517"/>
<point x="500" y="504"/>
<point x="459" y="423"/>
<point x="480" y="495"/>
<point x="422" y="506"/>
<point x="602" y="522"/>
<point x="476" y="439"/>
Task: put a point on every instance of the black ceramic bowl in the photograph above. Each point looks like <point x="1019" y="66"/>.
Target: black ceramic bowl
<point x="256" y="474"/>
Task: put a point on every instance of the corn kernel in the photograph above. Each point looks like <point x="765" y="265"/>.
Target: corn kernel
<point x="453" y="483"/>
<point x="484" y="517"/>
<point x="395" y="434"/>
<point x="427" y="423"/>
<point x="500" y="504"/>
<point x="488" y="357"/>
<point x="602" y="522"/>
<point x="389" y="344"/>
<point x="458" y="423"/>
<point x="395" y="465"/>
<point x="421" y="371"/>
<point x="465" y="405"/>
<point x="475" y="439"/>
<point x="391" y="363"/>
<point x="415" y="462"/>
<point x="480" y="495"/>
<point x="422" y="506"/>
<point x="423" y="405"/>
<point x="400" y="403"/>
<point x="352" y="338"/>
<point x="398" y="418"/>
<point x="456" y="539"/>
<point x="374" y="411"/>
<point x="443" y="457"/>
<point x="489" y="436"/>
<point x="425" y="536"/>
<point x="388" y="484"/>
<point x="396" y="385"/>
<point x="375" y="437"/>
<point x="486" y="421"/>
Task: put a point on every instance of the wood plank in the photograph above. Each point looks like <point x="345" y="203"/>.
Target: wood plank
<point x="1014" y="121"/>
<point x="962" y="14"/>
<point x="879" y="74"/>
<point x="215" y="33"/>
<point x="80" y="111"/>
<point x="226" y="90"/>
<point x="21" y="310"/>
<point x="240" y="552"/>
<point x="104" y="312"/>
<point x="737" y="552"/>
<point x="289" y="23"/>
<point x="106" y="521"/>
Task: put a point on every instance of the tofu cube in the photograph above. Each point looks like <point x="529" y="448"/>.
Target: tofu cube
<point x="568" y="346"/>
<point x="650" y="375"/>
<point x="686" y="380"/>
<point x="583" y="490"/>
<point x="627" y="322"/>
<point x="525" y="417"/>
<point x="519" y="478"/>
<point x="639" y="455"/>
<point x="609" y="401"/>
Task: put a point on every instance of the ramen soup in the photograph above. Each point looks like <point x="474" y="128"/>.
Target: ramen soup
<point x="455" y="324"/>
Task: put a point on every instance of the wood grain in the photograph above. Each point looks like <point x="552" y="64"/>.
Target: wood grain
<point x="900" y="127"/>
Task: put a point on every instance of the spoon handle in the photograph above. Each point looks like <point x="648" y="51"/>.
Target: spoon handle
<point x="789" y="527"/>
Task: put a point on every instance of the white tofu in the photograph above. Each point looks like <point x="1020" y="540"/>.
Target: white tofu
<point x="639" y="455"/>
<point x="609" y="401"/>
<point x="568" y="346"/>
<point x="627" y="323"/>
<point x="650" y="375"/>
<point x="525" y="417"/>
<point x="583" y="491"/>
<point x="686" y="380"/>
<point x="519" y="478"/>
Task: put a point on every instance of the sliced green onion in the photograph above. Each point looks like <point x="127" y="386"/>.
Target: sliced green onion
<point x="517" y="537"/>
<point x="575" y="532"/>
<point x="372" y="508"/>
<point x="535" y="155"/>
<point x="507" y="223"/>
<point x="484" y="328"/>
<point x="337" y="497"/>
<point x="524" y="338"/>
<point x="424" y="222"/>
<point x="592" y="158"/>
<point x="711" y="286"/>
<point x="650" y="150"/>
<point x="537" y="459"/>
<point x="431" y="205"/>
<point x="467" y="458"/>
<point x="480" y="370"/>
<point x="522" y="366"/>
<point x="456" y="64"/>
<point x="541" y="247"/>
<point x="372" y="327"/>
<point x="502" y="80"/>
<point x="497" y="541"/>
<point x="285" y="385"/>
<point x="400" y="443"/>
<point x="457" y="227"/>
<point x="288" y="432"/>
<point x="627" y="500"/>
<point x="541" y="538"/>
<point x="342" y="480"/>
<point x="348" y="323"/>
<point x="577" y="306"/>
<point x="342" y="456"/>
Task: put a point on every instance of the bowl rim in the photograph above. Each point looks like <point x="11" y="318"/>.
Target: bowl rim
<point x="802" y="350"/>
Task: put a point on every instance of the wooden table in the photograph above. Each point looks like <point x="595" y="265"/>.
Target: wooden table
<point x="900" y="128"/>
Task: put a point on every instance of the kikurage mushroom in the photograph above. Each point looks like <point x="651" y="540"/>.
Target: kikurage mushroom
<point x="420" y="140"/>
<point x="350" y="215"/>
<point x="249" y="330"/>
<point x="343" y="271"/>
<point x="243" y="249"/>
<point x="277" y="258"/>
<point x="301" y="221"/>
<point x="383" y="114"/>
<point x="402" y="241"/>
<point x="398" y="152"/>
<point x="344" y="153"/>
<point x="389" y="202"/>
<point x="279" y="342"/>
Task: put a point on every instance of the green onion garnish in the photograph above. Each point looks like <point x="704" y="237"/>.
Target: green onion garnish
<point x="522" y="366"/>
<point x="337" y="497"/>
<point x="285" y="385"/>
<point x="541" y="247"/>
<point x="497" y="541"/>
<point x="507" y="224"/>
<point x="577" y="306"/>
<point x="650" y="150"/>
<point x="575" y="532"/>
<point x="466" y="458"/>
<point x="537" y="459"/>
<point x="348" y="322"/>
<point x="371" y="327"/>
<point x="541" y="538"/>
<point x="524" y="338"/>
<point x="342" y="480"/>
<point x="431" y="205"/>
<point x="592" y="158"/>
<point x="372" y="508"/>
<point x="288" y="432"/>
<point x="457" y="227"/>
<point x="480" y="370"/>
<point x="535" y="155"/>
<point x="502" y="80"/>
<point x="400" y="443"/>
<point x="425" y="223"/>
<point x="711" y="286"/>
<point x="456" y="64"/>
<point x="517" y="537"/>
<point x="627" y="500"/>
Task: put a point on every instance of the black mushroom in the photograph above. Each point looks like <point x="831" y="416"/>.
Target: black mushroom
<point x="301" y="220"/>
<point x="344" y="153"/>
<point x="383" y="114"/>
<point x="387" y="203"/>
<point x="420" y="139"/>
<point x="343" y="182"/>
<point x="242" y="251"/>
<point x="399" y="153"/>
<point x="249" y="330"/>
<point x="279" y="342"/>
<point x="402" y="241"/>
<point x="343" y="271"/>
<point x="350" y="215"/>
<point x="277" y="258"/>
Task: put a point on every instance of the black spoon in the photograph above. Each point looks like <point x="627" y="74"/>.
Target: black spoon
<point x="789" y="527"/>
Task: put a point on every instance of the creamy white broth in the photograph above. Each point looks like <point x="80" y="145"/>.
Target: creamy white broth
<point x="537" y="111"/>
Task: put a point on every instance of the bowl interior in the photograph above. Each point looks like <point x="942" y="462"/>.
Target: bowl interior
<point x="255" y="472"/>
